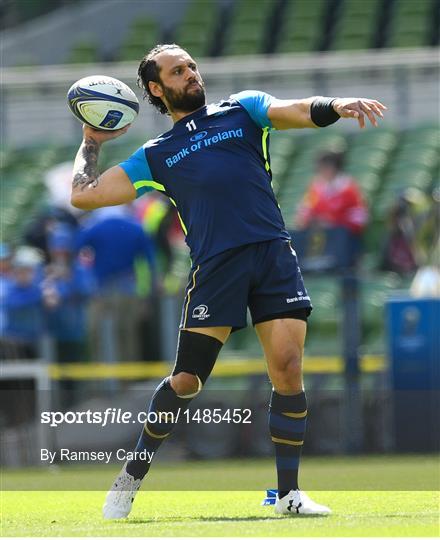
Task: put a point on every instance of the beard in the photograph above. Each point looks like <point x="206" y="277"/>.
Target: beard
<point x="185" y="100"/>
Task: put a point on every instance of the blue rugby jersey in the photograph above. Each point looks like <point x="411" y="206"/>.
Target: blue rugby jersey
<point x="214" y="166"/>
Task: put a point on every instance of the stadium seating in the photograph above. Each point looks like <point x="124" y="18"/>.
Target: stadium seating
<point x="115" y="152"/>
<point x="367" y="158"/>
<point x="247" y="26"/>
<point x="414" y="164"/>
<point x="282" y="149"/>
<point x="240" y="27"/>
<point x="376" y="289"/>
<point x="23" y="190"/>
<point x="411" y="23"/>
<point x="13" y="13"/>
<point x="143" y="35"/>
<point x="302" y="25"/>
<point x="356" y="25"/>
<point x="84" y="51"/>
<point x="197" y="30"/>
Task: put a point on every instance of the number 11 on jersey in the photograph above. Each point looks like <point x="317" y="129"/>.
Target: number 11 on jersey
<point x="191" y="125"/>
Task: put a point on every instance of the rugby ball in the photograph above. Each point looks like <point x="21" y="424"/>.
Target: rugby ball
<point x="103" y="102"/>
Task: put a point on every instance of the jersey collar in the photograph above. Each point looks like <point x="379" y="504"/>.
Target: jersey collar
<point x="192" y="116"/>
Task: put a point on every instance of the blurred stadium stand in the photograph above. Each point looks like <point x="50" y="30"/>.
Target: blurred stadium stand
<point x="143" y="35"/>
<point x="411" y="23"/>
<point x="247" y="27"/>
<point x="210" y="27"/>
<point x="302" y="26"/>
<point x="199" y="28"/>
<point x="13" y="13"/>
<point x="356" y="25"/>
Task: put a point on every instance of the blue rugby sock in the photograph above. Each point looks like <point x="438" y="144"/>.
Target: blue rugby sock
<point x="287" y="424"/>
<point x="164" y="400"/>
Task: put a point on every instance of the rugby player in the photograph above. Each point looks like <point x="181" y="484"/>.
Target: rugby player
<point x="214" y="166"/>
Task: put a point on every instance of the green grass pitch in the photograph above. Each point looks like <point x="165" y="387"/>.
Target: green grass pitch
<point x="356" y="512"/>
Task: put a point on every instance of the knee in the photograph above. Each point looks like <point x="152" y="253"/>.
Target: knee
<point x="185" y="384"/>
<point x="286" y="371"/>
<point x="288" y="363"/>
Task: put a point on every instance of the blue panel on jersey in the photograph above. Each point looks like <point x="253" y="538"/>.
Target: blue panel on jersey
<point x="256" y="104"/>
<point x="138" y="170"/>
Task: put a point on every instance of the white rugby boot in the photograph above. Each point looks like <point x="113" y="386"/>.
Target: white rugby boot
<point x="119" y="499"/>
<point x="297" y="502"/>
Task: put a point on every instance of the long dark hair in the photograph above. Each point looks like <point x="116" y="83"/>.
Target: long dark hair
<point x="149" y="71"/>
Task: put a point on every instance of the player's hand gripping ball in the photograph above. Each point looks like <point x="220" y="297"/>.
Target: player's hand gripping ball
<point x="103" y="102"/>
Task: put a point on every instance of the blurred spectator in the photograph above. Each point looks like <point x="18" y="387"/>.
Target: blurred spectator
<point x="36" y="233"/>
<point x="5" y="282"/>
<point x="116" y="242"/>
<point x="399" y="254"/>
<point x="426" y="283"/>
<point x="413" y="239"/>
<point x="66" y="287"/>
<point x="160" y="220"/>
<point x="158" y="217"/>
<point x="333" y="198"/>
<point x="428" y="228"/>
<point x="23" y="307"/>
<point x="58" y="182"/>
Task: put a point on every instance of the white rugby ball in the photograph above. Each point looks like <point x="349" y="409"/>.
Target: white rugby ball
<point x="103" y="102"/>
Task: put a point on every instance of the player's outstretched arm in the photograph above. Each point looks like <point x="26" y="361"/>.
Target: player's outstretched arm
<point x="318" y="111"/>
<point x="89" y="188"/>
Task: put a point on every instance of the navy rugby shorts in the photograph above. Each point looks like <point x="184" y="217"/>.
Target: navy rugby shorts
<point x="264" y="277"/>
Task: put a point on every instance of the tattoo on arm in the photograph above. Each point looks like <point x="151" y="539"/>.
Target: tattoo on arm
<point x="87" y="173"/>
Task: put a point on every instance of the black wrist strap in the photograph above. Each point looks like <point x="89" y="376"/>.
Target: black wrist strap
<point x="322" y="112"/>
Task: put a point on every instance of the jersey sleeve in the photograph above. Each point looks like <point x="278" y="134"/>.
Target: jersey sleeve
<point x="137" y="169"/>
<point x="256" y="104"/>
